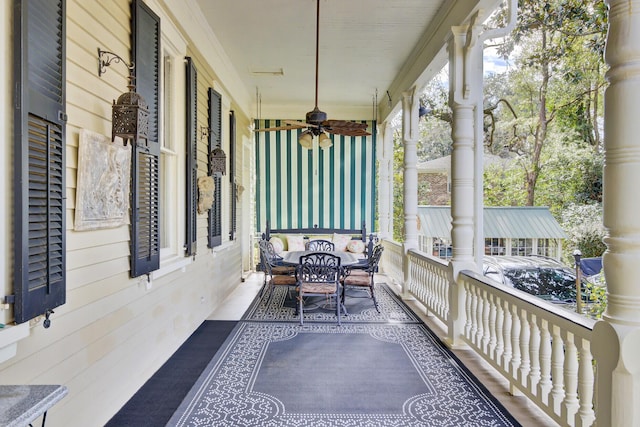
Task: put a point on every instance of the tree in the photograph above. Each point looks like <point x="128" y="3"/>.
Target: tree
<point x="552" y="45"/>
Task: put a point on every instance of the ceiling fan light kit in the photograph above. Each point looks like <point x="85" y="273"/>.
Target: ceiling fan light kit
<point x="306" y="140"/>
<point x="324" y="140"/>
<point x="316" y="120"/>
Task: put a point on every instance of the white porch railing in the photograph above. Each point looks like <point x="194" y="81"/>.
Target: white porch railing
<point x="542" y="350"/>
<point x="392" y="260"/>
<point x="429" y="283"/>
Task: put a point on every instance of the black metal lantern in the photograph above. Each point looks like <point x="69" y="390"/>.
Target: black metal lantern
<point x="218" y="161"/>
<point x="130" y="117"/>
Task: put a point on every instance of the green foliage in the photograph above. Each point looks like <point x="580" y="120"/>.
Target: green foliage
<point x="398" y="185"/>
<point x="584" y="228"/>
<point x="597" y="298"/>
<point x="543" y="116"/>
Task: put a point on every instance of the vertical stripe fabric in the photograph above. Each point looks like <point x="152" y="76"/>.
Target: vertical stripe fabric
<point x="299" y="188"/>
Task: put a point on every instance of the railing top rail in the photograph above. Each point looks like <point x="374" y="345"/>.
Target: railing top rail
<point x="532" y="304"/>
<point x="433" y="259"/>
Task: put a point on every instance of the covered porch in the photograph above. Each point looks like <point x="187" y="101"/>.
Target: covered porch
<point x="119" y="324"/>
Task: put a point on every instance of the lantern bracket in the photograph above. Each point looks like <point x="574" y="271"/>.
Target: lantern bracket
<point x="105" y="58"/>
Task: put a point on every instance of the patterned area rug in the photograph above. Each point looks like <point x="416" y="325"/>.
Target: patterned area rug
<point x="281" y="308"/>
<point x="282" y="374"/>
<point x="376" y="370"/>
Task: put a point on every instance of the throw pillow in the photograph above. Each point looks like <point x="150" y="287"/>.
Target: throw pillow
<point x="356" y="246"/>
<point x="341" y="241"/>
<point x="295" y="243"/>
<point x="278" y="246"/>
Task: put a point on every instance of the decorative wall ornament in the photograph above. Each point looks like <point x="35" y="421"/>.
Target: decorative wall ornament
<point x="239" y="191"/>
<point x="206" y="190"/>
<point x="102" y="189"/>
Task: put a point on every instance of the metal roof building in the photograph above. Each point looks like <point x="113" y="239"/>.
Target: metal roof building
<point x="507" y="230"/>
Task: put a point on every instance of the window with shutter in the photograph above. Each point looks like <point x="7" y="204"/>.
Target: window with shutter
<point x="192" y="157"/>
<point x="39" y="157"/>
<point x="215" y="140"/>
<point x="145" y="221"/>
<point x="232" y="175"/>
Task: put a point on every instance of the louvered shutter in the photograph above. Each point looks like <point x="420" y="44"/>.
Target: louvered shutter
<point x="39" y="157"/>
<point x="145" y="176"/>
<point x="215" y="139"/>
<point x="232" y="175"/>
<point x="192" y="158"/>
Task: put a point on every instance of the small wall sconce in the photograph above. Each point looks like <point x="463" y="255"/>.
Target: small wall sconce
<point x="130" y="113"/>
<point x="218" y="161"/>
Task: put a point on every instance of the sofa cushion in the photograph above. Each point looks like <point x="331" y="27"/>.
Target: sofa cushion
<point x="356" y="246"/>
<point x="278" y="246"/>
<point x="341" y="241"/>
<point x="283" y="238"/>
<point x="295" y="243"/>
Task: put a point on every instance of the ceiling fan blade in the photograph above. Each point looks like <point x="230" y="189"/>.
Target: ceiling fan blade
<point x="347" y="131"/>
<point x="299" y="124"/>
<point x="302" y="125"/>
<point x="343" y="124"/>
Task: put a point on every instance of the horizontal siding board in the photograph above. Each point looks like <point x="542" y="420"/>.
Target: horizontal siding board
<point x="97" y="255"/>
<point x="86" y="275"/>
<point x="77" y="240"/>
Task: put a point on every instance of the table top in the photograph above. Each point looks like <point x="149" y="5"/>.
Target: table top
<point x="293" y="258"/>
<point x="22" y="404"/>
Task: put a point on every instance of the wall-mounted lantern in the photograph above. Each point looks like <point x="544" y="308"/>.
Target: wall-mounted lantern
<point x="218" y="161"/>
<point x="130" y="113"/>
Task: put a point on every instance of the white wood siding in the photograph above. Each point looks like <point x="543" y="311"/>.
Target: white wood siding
<point x="114" y="332"/>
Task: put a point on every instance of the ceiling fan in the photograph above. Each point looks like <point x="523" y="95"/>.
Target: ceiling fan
<point x="316" y="120"/>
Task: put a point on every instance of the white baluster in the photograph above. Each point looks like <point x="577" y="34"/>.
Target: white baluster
<point x="544" y="386"/>
<point x="474" y="316"/>
<point x="586" y="415"/>
<point x="492" y="326"/>
<point x="534" y="351"/>
<point x="570" y="379"/>
<point x="468" y="325"/>
<point x="557" y="375"/>
<point x="525" y="364"/>
<point x="516" y="359"/>
<point x="486" y="334"/>
<point x="508" y="353"/>
<point x="500" y="317"/>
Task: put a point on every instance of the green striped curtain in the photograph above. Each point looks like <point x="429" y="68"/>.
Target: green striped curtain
<point x="299" y="188"/>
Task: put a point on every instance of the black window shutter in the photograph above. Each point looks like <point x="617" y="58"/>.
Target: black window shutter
<point x="232" y="175"/>
<point x="215" y="140"/>
<point x="145" y="177"/>
<point x="192" y="157"/>
<point x="39" y="157"/>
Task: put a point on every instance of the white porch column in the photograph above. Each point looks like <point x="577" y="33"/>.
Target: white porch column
<point x="385" y="184"/>
<point x="462" y="104"/>
<point x="410" y="141"/>
<point x="617" y="338"/>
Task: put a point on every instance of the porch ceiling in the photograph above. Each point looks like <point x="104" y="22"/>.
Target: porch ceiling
<point x="365" y="45"/>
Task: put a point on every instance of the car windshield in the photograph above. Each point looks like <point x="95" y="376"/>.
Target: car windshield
<point x="554" y="284"/>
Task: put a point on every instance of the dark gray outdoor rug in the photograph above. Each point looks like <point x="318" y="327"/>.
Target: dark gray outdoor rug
<point x="281" y="308"/>
<point x="321" y="374"/>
